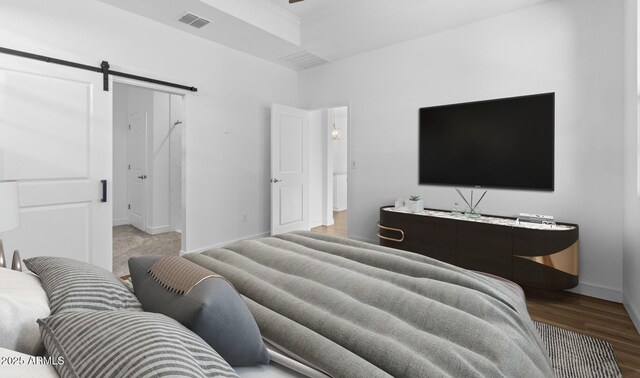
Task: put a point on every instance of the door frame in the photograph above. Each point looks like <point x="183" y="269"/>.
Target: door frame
<point x="328" y="177"/>
<point x="185" y="101"/>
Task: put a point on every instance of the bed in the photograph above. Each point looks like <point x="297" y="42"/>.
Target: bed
<point x="327" y="306"/>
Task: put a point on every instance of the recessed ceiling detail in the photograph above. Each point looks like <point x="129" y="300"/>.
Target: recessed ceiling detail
<point x="332" y="29"/>
<point x="193" y="20"/>
<point x="302" y="60"/>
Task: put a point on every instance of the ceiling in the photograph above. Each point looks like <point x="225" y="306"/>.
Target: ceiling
<point x="331" y="29"/>
<point x="309" y="10"/>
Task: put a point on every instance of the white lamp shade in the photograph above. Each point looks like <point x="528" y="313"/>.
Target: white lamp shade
<point x="9" y="206"/>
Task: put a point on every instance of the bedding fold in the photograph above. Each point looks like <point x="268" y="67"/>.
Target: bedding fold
<point x="354" y="309"/>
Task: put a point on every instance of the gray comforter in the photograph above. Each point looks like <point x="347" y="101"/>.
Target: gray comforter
<point x="354" y="309"/>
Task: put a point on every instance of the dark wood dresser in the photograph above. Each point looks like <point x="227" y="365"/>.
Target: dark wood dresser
<point x="536" y="255"/>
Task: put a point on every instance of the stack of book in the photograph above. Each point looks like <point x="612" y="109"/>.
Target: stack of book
<point x="536" y="218"/>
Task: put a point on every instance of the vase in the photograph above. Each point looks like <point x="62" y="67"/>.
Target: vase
<point x="476" y="212"/>
<point x="415" y="206"/>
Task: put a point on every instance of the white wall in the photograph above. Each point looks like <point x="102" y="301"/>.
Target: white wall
<point x="317" y="131"/>
<point x="175" y="162"/>
<point x="631" y="281"/>
<point x="120" y="130"/>
<point x="572" y="47"/>
<point x="226" y="173"/>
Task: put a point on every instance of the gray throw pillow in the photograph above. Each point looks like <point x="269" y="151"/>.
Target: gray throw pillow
<point x="124" y="343"/>
<point x="213" y="309"/>
<point x="73" y="285"/>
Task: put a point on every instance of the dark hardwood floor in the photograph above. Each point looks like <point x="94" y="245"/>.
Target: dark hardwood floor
<point x="594" y="317"/>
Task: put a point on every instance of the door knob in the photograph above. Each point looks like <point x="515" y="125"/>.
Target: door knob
<point x="275" y="180"/>
<point x="142" y="177"/>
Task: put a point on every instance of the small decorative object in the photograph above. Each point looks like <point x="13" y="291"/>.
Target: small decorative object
<point x="415" y="204"/>
<point x="16" y="263"/>
<point x="476" y="212"/>
<point x="455" y="210"/>
<point x="471" y="211"/>
<point x="399" y="203"/>
<point x="536" y="218"/>
<point x="3" y="262"/>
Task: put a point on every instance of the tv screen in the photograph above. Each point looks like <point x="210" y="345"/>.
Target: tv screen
<point x="501" y="143"/>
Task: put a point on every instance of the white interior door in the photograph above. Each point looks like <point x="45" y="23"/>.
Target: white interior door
<point x="137" y="174"/>
<point x="56" y="140"/>
<point x="289" y="169"/>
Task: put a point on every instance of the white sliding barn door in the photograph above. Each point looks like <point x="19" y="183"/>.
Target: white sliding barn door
<point x="56" y="140"/>
<point x="289" y="169"/>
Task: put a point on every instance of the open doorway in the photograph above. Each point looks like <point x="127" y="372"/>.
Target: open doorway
<point x="147" y="173"/>
<point x="328" y="167"/>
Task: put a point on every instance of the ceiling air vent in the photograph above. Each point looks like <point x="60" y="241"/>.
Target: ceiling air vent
<point x="303" y="60"/>
<point x="193" y="20"/>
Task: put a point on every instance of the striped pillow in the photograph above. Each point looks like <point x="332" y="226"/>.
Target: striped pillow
<point x="127" y="344"/>
<point x="73" y="285"/>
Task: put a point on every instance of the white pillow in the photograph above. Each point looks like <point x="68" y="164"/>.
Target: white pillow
<point x="20" y="365"/>
<point x="22" y="302"/>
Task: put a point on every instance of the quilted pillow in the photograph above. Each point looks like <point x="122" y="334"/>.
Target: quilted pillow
<point x="127" y="344"/>
<point x="22" y="302"/>
<point x="73" y="285"/>
<point x="213" y="309"/>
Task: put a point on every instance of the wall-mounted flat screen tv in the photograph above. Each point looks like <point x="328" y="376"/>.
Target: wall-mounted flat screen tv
<point x="500" y="143"/>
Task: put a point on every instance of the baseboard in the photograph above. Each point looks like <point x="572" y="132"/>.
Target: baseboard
<point x="218" y="245"/>
<point x="158" y="230"/>
<point x="318" y="223"/>
<point x="632" y="309"/>
<point x="121" y="222"/>
<point x="598" y="291"/>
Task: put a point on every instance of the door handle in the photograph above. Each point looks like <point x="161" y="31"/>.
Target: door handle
<point x="142" y="177"/>
<point x="104" y="190"/>
<point x="275" y="180"/>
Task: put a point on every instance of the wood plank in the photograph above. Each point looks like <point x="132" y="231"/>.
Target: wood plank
<point x="339" y="227"/>
<point x="594" y="317"/>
